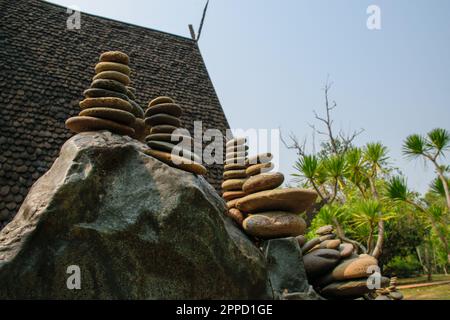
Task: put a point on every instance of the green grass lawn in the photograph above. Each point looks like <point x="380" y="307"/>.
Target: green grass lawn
<point x="423" y="279"/>
<point x="437" y="292"/>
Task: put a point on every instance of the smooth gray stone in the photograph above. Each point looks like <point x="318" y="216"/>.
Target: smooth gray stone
<point x="285" y="265"/>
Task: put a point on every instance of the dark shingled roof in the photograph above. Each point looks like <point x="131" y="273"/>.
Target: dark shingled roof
<point x="45" y="68"/>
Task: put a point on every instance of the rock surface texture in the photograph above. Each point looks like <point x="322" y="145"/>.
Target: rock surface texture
<point x="136" y="227"/>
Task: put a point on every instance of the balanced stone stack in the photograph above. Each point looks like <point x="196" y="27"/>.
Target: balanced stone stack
<point x="272" y="213"/>
<point x="140" y="129"/>
<point x="234" y="176"/>
<point x="391" y="292"/>
<point x="334" y="269"/>
<point x="167" y="143"/>
<point x="106" y="105"/>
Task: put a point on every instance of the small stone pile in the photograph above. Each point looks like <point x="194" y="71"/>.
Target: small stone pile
<point x="391" y="292"/>
<point x="139" y="126"/>
<point x="106" y="105"/>
<point x="162" y="115"/>
<point x="272" y="213"/>
<point x="334" y="269"/>
<point x="234" y="176"/>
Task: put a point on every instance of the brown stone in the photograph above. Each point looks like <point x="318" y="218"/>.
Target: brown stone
<point x="301" y="240"/>
<point x="172" y="148"/>
<point x="113" y="75"/>
<point x="276" y="224"/>
<point x="261" y="182"/>
<point x="349" y="289"/>
<point x="106" y="102"/>
<point x="236" y="142"/>
<point x="324" y="230"/>
<point x="240" y="161"/>
<point x="115" y="56"/>
<point x="259" y="168"/>
<point x="166" y="108"/>
<point x="234" y="166"/>
<point x="291" y="199"/>
<point x="236" y="215"/>
<point x="131" y="93"/>
<point x="234" y="174"/>
<point x="239" y="148"/>
<point x="137" y="110"/>
<point x="327" y="237"/>
<point x="232" y="204"/>
<point x="112" y="66"/>
<point x="233" y="155"/>
<point x="160" y="100"/>
<point x="233" y="185"/>
<point x="163" y="119"/>
<point x="320" y="261"/>
<point x="162" y="129"/>
<point x="140" y="129"/>
<point x="117" y="115"/>
<point x="83" y="124"/>
<point x="330" y="244"/>
<point x="102" y="93"/>
<point x="346" y="250"/>
<point x="260" y="158"/>
<point x="231" y="195"/>
<point x="111" y="85"/>
<point x="170" y="137"/>
<point x="354" y="268"/>
<point x="177" y="162"/>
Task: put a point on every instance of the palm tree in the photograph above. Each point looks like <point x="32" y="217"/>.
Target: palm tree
<point x="397" y="189"/>
<point x="335" y="168"/>
<point x="309" y="167"/>
<point x="431" y="147"/>
<point x="375" y="155"/>
<point x="369" y="213"/>
<point x="356" y="169"/>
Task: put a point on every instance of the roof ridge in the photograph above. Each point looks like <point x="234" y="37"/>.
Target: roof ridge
<point x="123" y="22"/>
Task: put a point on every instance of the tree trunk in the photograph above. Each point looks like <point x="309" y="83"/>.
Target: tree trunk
<point x="428" y="262"/>
<point x="424" y="267"/>
<point x="380" y="240"/>
<point x="341" y="235"/>
<point x="444" y="183"/>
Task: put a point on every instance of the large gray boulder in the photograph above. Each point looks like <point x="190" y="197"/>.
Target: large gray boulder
<point x="135" y="227"/>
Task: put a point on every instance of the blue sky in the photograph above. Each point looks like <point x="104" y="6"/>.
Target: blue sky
<point x="269" y="59"/>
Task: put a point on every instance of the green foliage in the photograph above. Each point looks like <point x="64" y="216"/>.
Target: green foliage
<point x="403" y="267"/>
<point x="376" y="155"/>
<point x="439" y="140"/>
<point x="437" y="186"/>
<point x="335" y="166"/>
<point x="414" y="146"/>
<point x="361" y="193"/>
<point x="397" y="189"/>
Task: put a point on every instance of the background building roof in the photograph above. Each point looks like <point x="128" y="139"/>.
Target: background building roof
<point x="45" y="68"/>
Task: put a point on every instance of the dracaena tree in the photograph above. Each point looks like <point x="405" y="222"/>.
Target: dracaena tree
<point x="432" y="148"/>
<point x="436" y="214"/>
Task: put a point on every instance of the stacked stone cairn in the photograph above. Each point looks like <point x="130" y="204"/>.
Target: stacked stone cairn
<point x="234" y="176"/>
<point x="140" y="129"/>
<point x="107" y="104"/>
<point x="391" y="292"/>
<point x="168" y="142"/>
<point x="335" y="269"/>
<point x="272" y="213"/>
